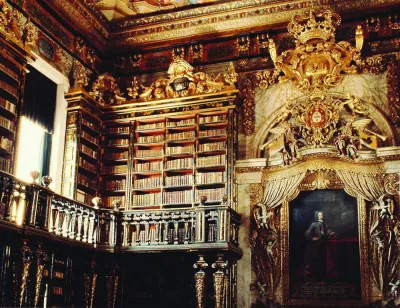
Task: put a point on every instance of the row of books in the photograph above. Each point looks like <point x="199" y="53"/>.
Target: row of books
<point x="212" y="118"/>
<point x="212" y="132"/>
<point x="144" y="126"/>
<point x="214" y="146"/>
<point x="210" y="177"/>
<point x="149" y="166"/>
<point x="116" y="185"/>
<point x="88" y="151"/>
<point x="118" y="155"/>
<point x="59" y="275"/>
<point x="58" y="291"/>
<point x="177" y="197"/>
<point x="150" y="138"/>
<point x="118" y="130"/>
<point x="214" y="194"/>
<point x="147" y="182"/>
<point x="182" y="122"/>
<point x="9" y="71"/>
<point x="147" y="200"/>
<point x="114" y="169"/>
<point x="86" y="165"/>
<point x="90" y="138"/>
<point x="180" y="163"/>
<point x="117" y="142"/>
<point x="7" y="123"/>
<point x="212" y="232"/>
<point x="86" y="181"/>
<point x="9" y="88"/>
<point x="6" y="144"/>
<point x="90" y="125"/>
<point x="6" y="104"/>
<point x="181" y="135"/>
<point x="179" y="180"/>
<point x="215" y="160"/>
<point x="5" y="164"/>
<point x="149" y="152"/>
<point x="108" y="201"/>
<point x="180" y="149"/>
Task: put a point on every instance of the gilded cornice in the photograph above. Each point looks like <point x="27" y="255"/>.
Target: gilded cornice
<point x="222" y="18"/>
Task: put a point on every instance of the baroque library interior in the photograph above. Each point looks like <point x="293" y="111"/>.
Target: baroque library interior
<point x="200" y="153"/>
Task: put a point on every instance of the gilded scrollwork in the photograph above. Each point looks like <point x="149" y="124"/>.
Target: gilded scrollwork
<point x="81" y="75"/>
<point x="42" y="258"/>
<point x="199" y="278"/>
<point x="27" y="261"/>
<point x="105" y="90"/>
<point x="393" y="93"/>
<point x="320" y="120"/>
<point x="8" y="22"/>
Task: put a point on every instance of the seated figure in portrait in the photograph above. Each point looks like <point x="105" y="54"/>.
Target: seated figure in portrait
<point x="316" y="255"/>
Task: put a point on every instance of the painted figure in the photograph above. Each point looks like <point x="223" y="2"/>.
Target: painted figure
<point x="316" y="252"/>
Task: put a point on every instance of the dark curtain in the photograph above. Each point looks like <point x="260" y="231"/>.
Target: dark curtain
<point x="39" y="99"/>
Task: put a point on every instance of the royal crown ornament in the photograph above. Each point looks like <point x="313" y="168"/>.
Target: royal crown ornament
<point x="315" y="27"/>
<point x="317" y="61"/>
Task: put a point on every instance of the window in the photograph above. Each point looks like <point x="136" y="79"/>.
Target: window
<point x="33" y="151"/>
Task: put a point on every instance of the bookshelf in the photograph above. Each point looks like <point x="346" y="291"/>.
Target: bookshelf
<point x="82" y="155"/>
<point x="181" y="160"/>
<point x="114" y="160"/>
<point x="13" y="63"/>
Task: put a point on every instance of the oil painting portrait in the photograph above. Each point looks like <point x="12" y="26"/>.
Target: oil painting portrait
<point x="324" y="259"/>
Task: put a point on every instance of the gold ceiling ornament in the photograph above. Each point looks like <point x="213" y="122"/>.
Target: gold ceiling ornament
<point x="184" y="82"/>
<point x="8" y="22"/>
<point x="318" y="120"/>
<point x="317" y="60"/>
<point x="106" y="91"/>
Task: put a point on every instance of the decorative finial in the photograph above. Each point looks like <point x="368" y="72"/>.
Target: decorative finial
<point x="46" y="180"/>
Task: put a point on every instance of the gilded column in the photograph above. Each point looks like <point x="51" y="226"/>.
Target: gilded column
<point x="27" y="260"/>
<point x="220" y="281"/>
<point x="199" y="279"/>
<point x="41" y="260"/>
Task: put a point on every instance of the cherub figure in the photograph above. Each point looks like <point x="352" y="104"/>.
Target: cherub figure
<point x="385" y="207"/>
<point x="340" y="144"/>
<point x="395" y="289"/>
<point x="377" y="237"/>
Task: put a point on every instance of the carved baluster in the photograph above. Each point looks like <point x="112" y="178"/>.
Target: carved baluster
<point x="53" y="216"/>
<point x="72" y="225"/>
<point x="219" y="281"/>
<point x="41" y="260"/>
<point x="125" y="241"/>
<point x="157" y="233"/>
<point x="85" y="226"/>
<point x="91" y="228"/>
<point x="60" y="219"/>
<point x="47" y="212"/>
<point x="26" y="259"/>
<point x="176" y="227"/>
<point x="147" y="232"/>
<point x="137" y="227"/>
<point x="21" y="205"/>
<point x="66" y="221"/>
<point x="79" y="214"/>
<point x="13" y="205"/>
<point x="200" y="227"/>
<point x="165" y="232"/>
<point x="222" y="219"/>
<point x="186" y="225"/>
<point x="199" y="279"/>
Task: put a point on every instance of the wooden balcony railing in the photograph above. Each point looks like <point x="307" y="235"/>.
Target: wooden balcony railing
<point x="36" y="209"/>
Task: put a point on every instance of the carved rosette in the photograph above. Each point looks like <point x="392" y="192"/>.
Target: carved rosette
<point x="199" y="279"/>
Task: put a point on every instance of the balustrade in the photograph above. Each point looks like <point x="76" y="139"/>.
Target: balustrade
<point x="36" y="207"/>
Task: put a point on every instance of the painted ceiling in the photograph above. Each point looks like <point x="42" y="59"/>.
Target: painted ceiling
<point x="117" y="10"/>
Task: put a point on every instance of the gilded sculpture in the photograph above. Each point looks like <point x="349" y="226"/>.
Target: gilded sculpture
<point x="182" y="81"/>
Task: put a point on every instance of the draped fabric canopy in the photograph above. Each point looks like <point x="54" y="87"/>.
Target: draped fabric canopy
<point x="40" y="99"/>
<point x="277" y="190"/>
<point x="368" y="186"/>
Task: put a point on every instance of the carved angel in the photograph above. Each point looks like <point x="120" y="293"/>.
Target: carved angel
<point x="394" y="289"/>
<point x="378" y="237"/>
<point x="385" y="206"/>
<point x="261" y="217"/>
<point x="355" y="105"/>
<point x="277" y="133"/>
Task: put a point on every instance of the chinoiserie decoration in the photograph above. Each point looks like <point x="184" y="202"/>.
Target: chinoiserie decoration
<point x="182" y="81"/>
